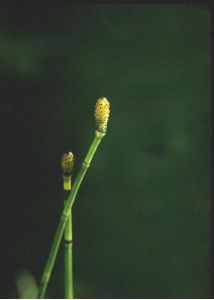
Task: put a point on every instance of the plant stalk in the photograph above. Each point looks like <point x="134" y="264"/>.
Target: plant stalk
<point x="68" y="249"/>
<point x="69" y="291"/>
<point x="65" y="214"/>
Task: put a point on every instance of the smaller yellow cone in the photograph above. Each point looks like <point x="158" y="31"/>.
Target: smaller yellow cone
<point x="67" y="163"/>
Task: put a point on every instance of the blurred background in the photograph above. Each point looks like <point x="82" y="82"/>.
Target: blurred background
<point x="142" y="218"/>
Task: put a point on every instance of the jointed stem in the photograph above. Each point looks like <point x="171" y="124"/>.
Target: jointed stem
<point x="68" y="262"/>
<point x="69" y="292"/>
<point x="64" y="216"/>
<point x="52" y="256"/>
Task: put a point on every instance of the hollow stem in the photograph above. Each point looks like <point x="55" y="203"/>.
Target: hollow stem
<point x="68" y="256"/>
<point x="64" y="216"/>
<point x="68" y="249"/>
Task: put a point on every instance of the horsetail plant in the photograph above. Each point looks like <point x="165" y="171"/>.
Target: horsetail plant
<point x="67" y="164"/>
<point x="102" y="111"/>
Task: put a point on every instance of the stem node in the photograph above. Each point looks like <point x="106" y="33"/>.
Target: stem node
<point x="85" y="165"/>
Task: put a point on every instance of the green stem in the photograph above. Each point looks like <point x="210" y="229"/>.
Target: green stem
<point x="65" y="214"/>
<point x="68" y="255"/>
<point x="68" y="260"/>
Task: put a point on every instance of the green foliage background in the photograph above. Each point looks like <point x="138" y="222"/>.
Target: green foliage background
<point x="142" y="218"/>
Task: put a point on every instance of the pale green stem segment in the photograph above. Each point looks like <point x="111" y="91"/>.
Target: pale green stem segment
<point x="68" y="253"/>
<point x="68" y="256"/>
<point x="66" y="211"/>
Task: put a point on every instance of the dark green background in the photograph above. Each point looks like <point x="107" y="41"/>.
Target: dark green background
<point x="142" y="222"/>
